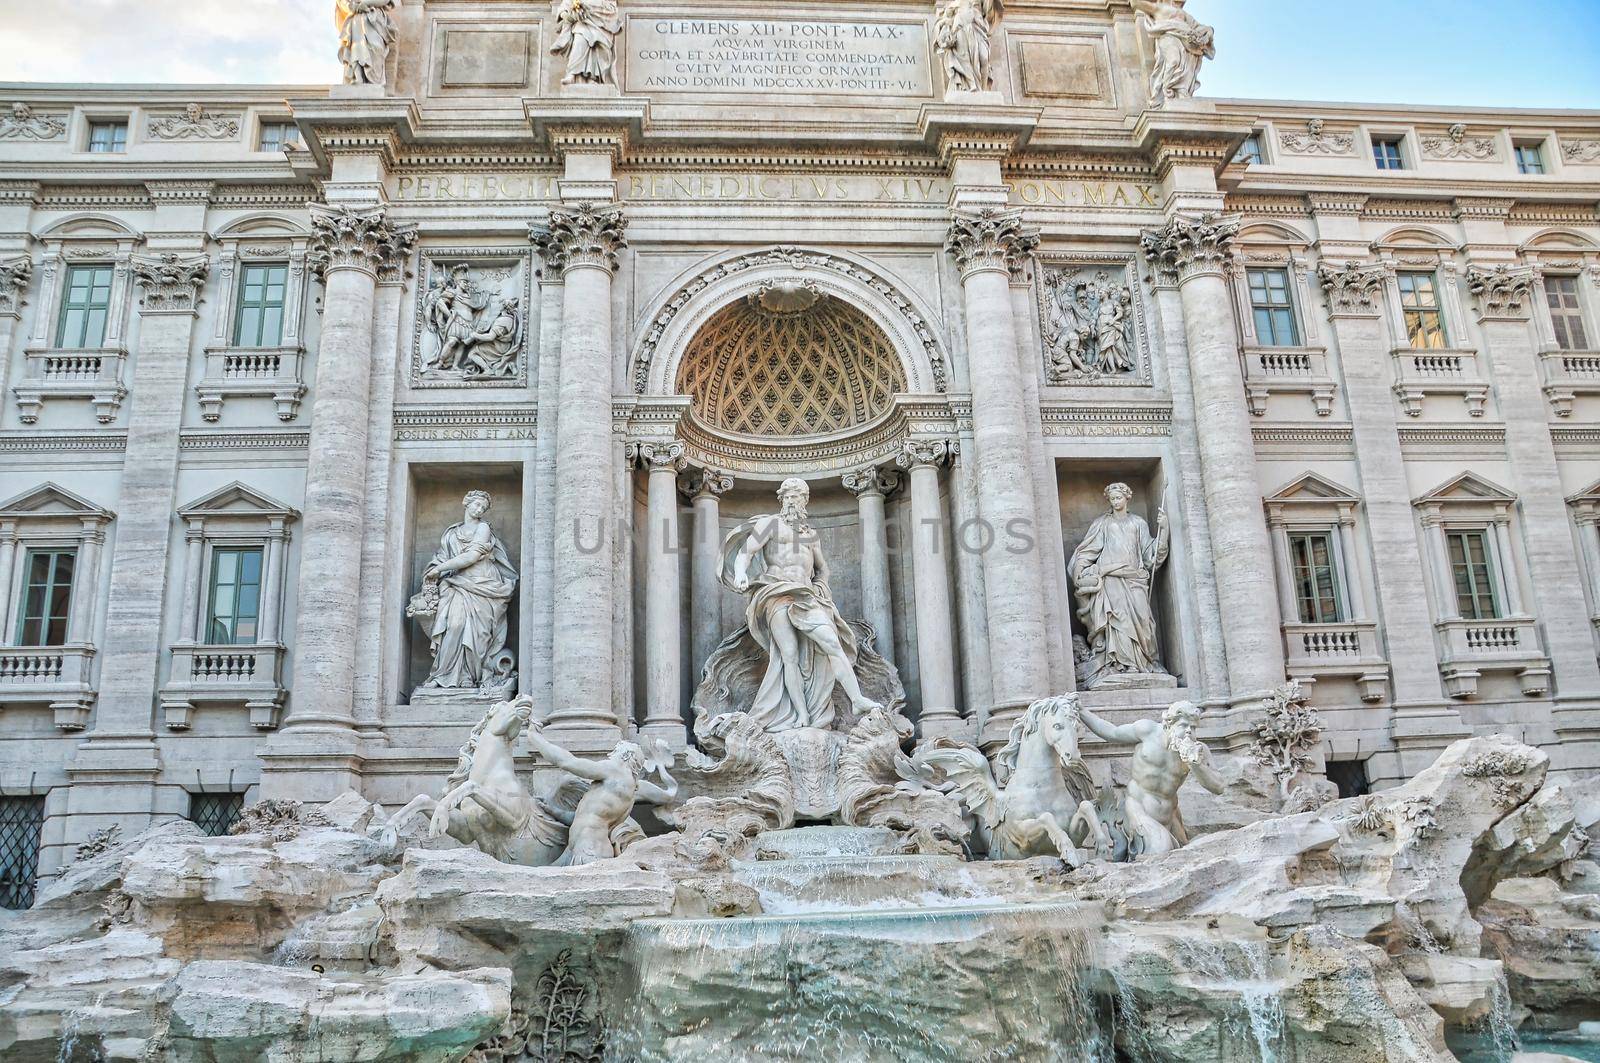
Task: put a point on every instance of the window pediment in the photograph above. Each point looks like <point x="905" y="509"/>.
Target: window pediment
<point x="52" y="500"/>
<point x="1467" y="489"/>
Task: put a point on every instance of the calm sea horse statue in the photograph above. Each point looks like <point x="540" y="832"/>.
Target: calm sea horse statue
<point x="1042" y="804"/>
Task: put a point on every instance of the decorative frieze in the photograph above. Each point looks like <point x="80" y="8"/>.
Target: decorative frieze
<point x="588" y="234"/>
<point x="23" y="123"/>
<point x="1091" y="320"/>
<point x="471" y="327"/>
<point x="347" y="238"/>
<point x="1100" y="421"/>
<point x="1315" y="139"/>
<point x="1502" y="291"/>
<point x="1354" y="289"/>
<point x="1580" y="151"/>
<point x="1190" y="247"/>
<point x="171" y="283"/>
<point x="194" y="123"/>
<point x="989" y="239"/>
<point x="1455" y="144"/>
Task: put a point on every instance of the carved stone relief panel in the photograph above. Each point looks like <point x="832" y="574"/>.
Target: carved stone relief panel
<point x="472" y="318"/>
<point x="1092" y="321"/>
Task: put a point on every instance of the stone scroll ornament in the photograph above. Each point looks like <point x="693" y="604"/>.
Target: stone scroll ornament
<point x="195" y="123"/>
<point x="964" y="32"/>
<point x="473" y="329"/>
<point x="23" y="124"/>
<point x="14" y="278"/>
<point x="366" y="33"/>
<point x="586" y="33"/>
<point x="1181" y="44"/>
<point x="466" y="590"/>
<point x="1088" y="327"/>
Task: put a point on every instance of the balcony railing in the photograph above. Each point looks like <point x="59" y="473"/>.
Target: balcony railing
<point x="252" y="372"/>
<point x="61" y="677"/>
<point x="247" y="675"/>
<point x="1568" y="374"/>
<point x="1420" y="372"/>
<point x="54" y="373"/>
<point x="1349" y="648"/>
<point x="1288" y="370"/>
<point x="1469" y="648"/>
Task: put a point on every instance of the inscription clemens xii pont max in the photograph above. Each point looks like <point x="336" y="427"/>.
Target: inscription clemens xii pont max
<point x="742" y="55"/>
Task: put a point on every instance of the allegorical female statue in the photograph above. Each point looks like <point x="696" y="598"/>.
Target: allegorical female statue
<point x="1181" y="43"/>
<point x="366" y="30"/>
<point x="466" y="589"/>
<point x="1111" y="574"/>
<point x="586" y="32"/>
<point x="963" y="35"/>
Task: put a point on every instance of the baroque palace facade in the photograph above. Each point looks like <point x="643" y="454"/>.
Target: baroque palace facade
<point x="628" y="270"/>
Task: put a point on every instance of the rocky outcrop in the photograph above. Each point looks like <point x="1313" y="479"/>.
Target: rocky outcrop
<point x="1549" y="940"/>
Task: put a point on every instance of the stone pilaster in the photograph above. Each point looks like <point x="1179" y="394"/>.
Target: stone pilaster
<point x="538" y="619"/>
<point x="985" y="243"/>
<point x="936" y="646"/>
<point x="663" y="592"/>
<point x="870" y="485"/>
<point x="1197" y="251"/>
<point x="15" y="276"/>
<point x="349" y="248"/>
<point x="590" y="237"/>
<point x="705" y="488"/>
<point x="1504" y="295"/>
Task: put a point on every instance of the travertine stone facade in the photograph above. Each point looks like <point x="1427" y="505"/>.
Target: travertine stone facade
<point x="629" y="288"/>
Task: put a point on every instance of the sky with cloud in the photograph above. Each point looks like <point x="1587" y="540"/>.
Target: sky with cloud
<point x="1530" y="53"/>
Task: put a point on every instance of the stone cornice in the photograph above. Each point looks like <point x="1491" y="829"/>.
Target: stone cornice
<point x="171" y="283"/>
<point x="346" y="238"/>
<point x="989" y="239"/>
<point x="587" y="235"/>
<point x="180" y="191"/>
<point x="1191" y="247"/>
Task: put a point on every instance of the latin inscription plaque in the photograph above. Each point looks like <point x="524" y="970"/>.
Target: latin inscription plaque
<point x="789" y="56"/>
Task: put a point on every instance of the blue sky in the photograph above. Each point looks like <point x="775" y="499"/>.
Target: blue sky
<point x="1513" y="53"/>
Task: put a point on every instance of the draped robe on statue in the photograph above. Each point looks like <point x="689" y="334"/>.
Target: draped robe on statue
<point x="1111" y="573"/>
<point x="808" y="607"/>
<point x="469" y="628"/>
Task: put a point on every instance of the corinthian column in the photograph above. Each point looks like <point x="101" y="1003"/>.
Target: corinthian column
<point x="936" y="648"/>
<point x="984" y="244"/>
<point x="705" y="488"/>
<point x="1198" y="251"/>
<point x="663" y="594"/>
<point x="870" y="484"/>
<point x="349" y="247"/>
<point x="583" y="715"/>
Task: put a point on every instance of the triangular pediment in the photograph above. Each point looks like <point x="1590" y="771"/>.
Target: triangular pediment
<point x="237" y="500"/>
<point x="1312" y="488"/>
<point x="51" y="500"/>
<point x="1468" y="487"/>
<point x="1590" y="494"/>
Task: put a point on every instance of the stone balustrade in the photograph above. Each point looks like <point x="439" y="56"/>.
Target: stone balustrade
<point x="1568" y="374"/>
<point x="252" y="372"/>
<point x="1420" y="372"/>
<point x="1469" y="648"/>
<point x="58" y="676"/>
<point x="1349" y="648"/>
<point x="1288" y="370"/>
<point x="52" y="373"/>
<point x="207" y="674"/>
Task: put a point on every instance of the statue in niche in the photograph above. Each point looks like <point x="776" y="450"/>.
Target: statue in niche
<point x="964" y="37"/>
<point x="602" y="825"/>
<point x="476" y="330"/>
<point x="1181" y="43"/>
<point x="466" y="590"/>
<point x="586" y="32"/>
<point x="1088" y="329"/>
<point x="777" y="561"/>
<point x="1164" y="754"/>
<point x="366" y="32"/>
<point x="1112" y="570"/>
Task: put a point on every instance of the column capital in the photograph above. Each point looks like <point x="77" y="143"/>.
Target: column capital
<point x="351" y="238"/>
<point x="871" y="480"/>
<point x="705" y="483"/>
<point x="1354" y="289"/>
<point x="14" y="277"/>
<point x="1502" y="291"/>
<point x="921" y="453"/>
<point x="658" y="457"/>
<point x="585" y="234"/>
<point x="171" y="282"/>
<point x="551" y="250"/>
<point x="1191" y="247"/>
<point x="989" y="239"/>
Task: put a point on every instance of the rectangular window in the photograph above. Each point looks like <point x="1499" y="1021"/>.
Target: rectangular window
<point x="1316" y="580"/>
<point x="46" y="597"/>
<point x="261" y="296"/>
<point x="1566" y="314"/>
<point x="1250" y="151"/>
<point x="85" y="308"/>
<point x="1469" y="563"/>
<point x="235" y="596"/>
<point x="1273" y="308"/>
<point x="215" y="814"/>
<point x="1530" y="158"/>
<point x="1350" y="776"/>
<point x="108" y="137"/>
<point x="277" y="136"/>
<point x="21" y="824"/>
<point x="1419" y="300"/>
<point x="1386" y="152"/>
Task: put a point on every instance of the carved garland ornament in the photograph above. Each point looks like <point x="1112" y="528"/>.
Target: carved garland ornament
<point x="989" y="239"/>
<point x="195" y="123"/>
<point x="171" y="283"/>
<point x="1502" y="291"/>
<point x="1353" y="288"/>
<point x="1317" y="141"/>
<point x="1188" y="247"/>
<point x="345" y="238"/>
<point x="1455" y="144"/>
<point x="24" y="124"/>
<point x="1580" y="150"/>
<point x="791" y="258"/>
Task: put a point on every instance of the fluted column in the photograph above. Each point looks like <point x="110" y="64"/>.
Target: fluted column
<point x="272" y="584"/>
<point x="870" y="485"/>
<point x="705" y="488"/>
<point x="936" y="648"/>
<point x="86" y="592"/>
<point x="583" y="715"/>
<point x="663" y="594"/>
<point x="8" y="559"/>
<point x="1197" y="251"/>
<point x="349" y="247"/>
<point x="984" y="243"/>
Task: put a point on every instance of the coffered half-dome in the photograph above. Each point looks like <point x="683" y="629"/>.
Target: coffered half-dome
<point x="790" y="361"/>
